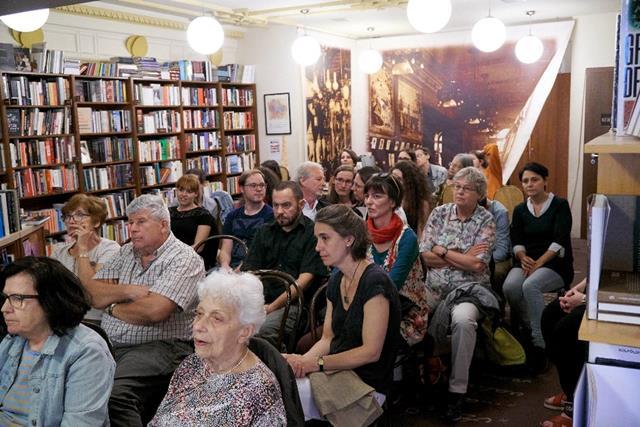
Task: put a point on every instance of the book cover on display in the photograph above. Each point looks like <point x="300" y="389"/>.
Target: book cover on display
<point x="628" y="65"/>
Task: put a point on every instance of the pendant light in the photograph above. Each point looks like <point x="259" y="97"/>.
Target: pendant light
<point x="370" y="60"/>
<point x="488" y="34"/>
<point x="529" y="48"/>
<point x="26" y="21"/>
<point x="305" y="49"/>
<point x="429" y="16"/>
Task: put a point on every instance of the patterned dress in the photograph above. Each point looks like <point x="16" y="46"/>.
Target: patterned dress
<point x="199" y="397"/>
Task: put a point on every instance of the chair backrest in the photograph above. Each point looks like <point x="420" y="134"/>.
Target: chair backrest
<point x="285" y="343"/>
<point x="217" y="237"/>
<point x="316" y="303"/>
<point x="284" y="172"/>
<point x="510" y="196"/>
<point x="97" y="329"/>
<point x="447" y="194"/>
<point x="271" y="357"/>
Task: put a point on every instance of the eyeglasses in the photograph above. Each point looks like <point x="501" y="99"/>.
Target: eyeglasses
<point x="344" y="181"/>
<point x="463" y="188"/>
<point x="256" y="186"/>
<point x="17" y="300"/>
<point x="77" y="217"/>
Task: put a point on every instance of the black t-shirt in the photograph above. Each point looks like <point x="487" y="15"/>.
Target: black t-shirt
<point x="184" y="225"/>
<point x="347" y="325"/>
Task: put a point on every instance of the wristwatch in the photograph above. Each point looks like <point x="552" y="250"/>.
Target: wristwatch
<point x="110" y="309"/>
<point x="83" y="255"/>
<point x="321" y="363"/>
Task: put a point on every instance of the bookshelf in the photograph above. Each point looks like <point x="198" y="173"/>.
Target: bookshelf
<point x="117" y="138"/>
<point x="618" y="163"/>
<point x="29" y="241"/>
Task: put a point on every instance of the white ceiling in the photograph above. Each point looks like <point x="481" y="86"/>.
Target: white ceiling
<point x="351" y="18"/>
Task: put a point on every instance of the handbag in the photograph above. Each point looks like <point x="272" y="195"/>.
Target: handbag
<point x="500" y="346"/>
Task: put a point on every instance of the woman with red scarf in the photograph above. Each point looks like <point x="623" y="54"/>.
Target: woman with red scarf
<point x="395" y="248"/>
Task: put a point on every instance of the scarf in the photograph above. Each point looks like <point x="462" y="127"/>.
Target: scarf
<point x="388" y="233"/>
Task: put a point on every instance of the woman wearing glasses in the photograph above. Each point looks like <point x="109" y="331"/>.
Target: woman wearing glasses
<point x="395" y="248"/>
<point x="456" y="245"/>
<point x="191" y="223"/>
<point x="85" y="251"/>
<point x="341" y="186"/>
<point x="53" y="370"/>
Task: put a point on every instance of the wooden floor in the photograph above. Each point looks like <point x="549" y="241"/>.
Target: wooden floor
<point x="494" y="398"/>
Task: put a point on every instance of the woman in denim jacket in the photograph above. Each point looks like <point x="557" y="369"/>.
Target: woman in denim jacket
<point x="53" y="370"/>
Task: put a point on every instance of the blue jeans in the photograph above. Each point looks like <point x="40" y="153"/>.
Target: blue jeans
<point x="525" y="296"/>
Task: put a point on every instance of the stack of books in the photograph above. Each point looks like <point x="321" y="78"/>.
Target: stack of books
<point x="148" y="67"/>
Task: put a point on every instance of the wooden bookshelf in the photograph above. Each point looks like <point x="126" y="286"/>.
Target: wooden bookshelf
<point x="618" y="163"/>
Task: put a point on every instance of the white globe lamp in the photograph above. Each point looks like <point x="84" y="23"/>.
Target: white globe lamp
<point x="529" y="49"/>
<point x="370" y="61"/>
<point x="26" y="21"/>
<point x="429" y="16"/>
<point x="488" y="34"/>
<point x="205" y="35"/>
<point x="305" y="50"/>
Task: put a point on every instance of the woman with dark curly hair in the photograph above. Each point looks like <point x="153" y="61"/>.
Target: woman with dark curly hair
<point x="416" y="200"/>
<point x="53" y="370"/>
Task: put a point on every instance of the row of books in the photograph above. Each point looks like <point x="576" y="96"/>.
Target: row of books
<point x="237" y="73"/>
<point x="160" y="121"/>
<point x="237" y="97"/>
<point x="104" y="178"/>
<point x="54" y="223"/>
<point x="197" y="119"/>
<point x="169" y="195"/>
<point x="237" y="163"/>
<point x="233" y="185"/>
<point x="27" y="90"/>
<point x="117" y="203"/>
<point x="159" y="149"/>
<point x="99" y="121"/>
<point x="100" y="150"/>
<point x="42" y="152"/>
<point x="156" y="94"/>
<point x="202" y="141"/>
<point x="100" y="91"/>
<point x="237" y="143"/>
<point x="115" y="230"/>
<point x="237" y="120"/>
<point x="149" y="67"/>
<point x="161" y="173"/>
<point x="210" y="165"/>
<point x="38" y="59"/>
<point x="38" y="122"/>
<point x="613" y="287"/>
<point x="38" y="182"/>
<point x="9" y="212"/>
<point x="108" y="69"/>
<point x="199" y="96"/>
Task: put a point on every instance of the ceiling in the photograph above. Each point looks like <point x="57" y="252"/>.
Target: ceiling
<point x="351" y="18"/>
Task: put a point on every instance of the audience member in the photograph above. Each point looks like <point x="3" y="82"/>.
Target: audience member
<point x="416" y="200"/>
<point x="456" y="246"/>
<point x="560" y="324"/>
<point x="85" y="251"/>
<point x="53" y="370"/>
<point x="224" y="383"/>
<point x="543" y="258"/>
<point x="407" y="154"/>
<point x="479" y="159"/>
<point x="273" y="166"/>
<point x="349" y="157"/>
<point x="149" y="292"/>
<point x="501" y="255"/>
<point x="395" y="249"/>
<point x="436" y="175"/>
<point x="361" y="178"/>
<point x="310" y="177"/>
<point x="362" y="321"/>
<point x="217" y="202"/>
<point x="244" y="221"/>
<point x="341" y="186"/>
<point x="460" y="160"/>
<point x="493" y="171"/>
<point x="271" y="180"/>
<point x="288" y="245"/>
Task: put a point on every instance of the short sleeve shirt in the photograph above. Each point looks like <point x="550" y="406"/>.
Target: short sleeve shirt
<point x="445" y="229"/>
<point x="244" y="227"/>
<point x="174" y="274"/>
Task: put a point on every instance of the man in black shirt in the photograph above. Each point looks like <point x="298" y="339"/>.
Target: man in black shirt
<point x="288" y="245"/>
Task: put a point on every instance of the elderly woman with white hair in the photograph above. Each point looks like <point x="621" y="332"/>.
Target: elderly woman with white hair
<point x="224" y="383"/>
<point x="456" y="245"/>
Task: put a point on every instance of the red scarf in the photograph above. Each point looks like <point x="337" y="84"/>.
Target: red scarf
<point x="388" y="233"/>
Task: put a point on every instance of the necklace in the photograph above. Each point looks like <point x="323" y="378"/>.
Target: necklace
<point x="345" y="295"/>
<point x="236" y="365"/>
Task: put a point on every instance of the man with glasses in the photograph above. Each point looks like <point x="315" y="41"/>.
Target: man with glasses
<point x="244" y="221"/>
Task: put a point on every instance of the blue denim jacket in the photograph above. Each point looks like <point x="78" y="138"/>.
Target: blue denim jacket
<point x="70" y="382"/>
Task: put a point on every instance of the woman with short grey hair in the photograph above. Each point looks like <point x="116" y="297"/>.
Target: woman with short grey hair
<point x="460" y="161"/>
<point x="224" y="383"/>
<point x="475" y="178"/>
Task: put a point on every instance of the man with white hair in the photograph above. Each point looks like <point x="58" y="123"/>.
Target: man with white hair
<point x="310" y="177"/>
<point x="149" y="292"/>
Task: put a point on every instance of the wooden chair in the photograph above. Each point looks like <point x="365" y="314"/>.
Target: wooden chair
<point x="316" y="304"/>
<point x="285" y="343"/>
<point x="284" y="172"/>
<point x="447" y="194"/>
<point x="223" y="236"/>
<point x="510" y="196"/>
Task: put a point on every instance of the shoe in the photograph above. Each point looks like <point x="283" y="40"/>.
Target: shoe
<point x="558" y="421"/>
<point x="556" y="402"/>
<point x="454" y="407"/>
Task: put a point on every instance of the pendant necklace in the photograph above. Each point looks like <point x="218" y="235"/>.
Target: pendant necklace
<point x="345" y="296"/>
<point x="236" y="365"/>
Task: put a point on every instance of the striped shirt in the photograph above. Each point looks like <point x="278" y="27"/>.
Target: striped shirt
<point x="16" y="406"/>
<point x="174" y="274"/>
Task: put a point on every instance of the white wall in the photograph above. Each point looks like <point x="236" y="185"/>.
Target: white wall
<point x="276" y="72"/>
<point x="593" y="45"/>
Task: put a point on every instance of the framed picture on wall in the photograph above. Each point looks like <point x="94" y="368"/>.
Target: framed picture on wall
<point x="277" y="114"/>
